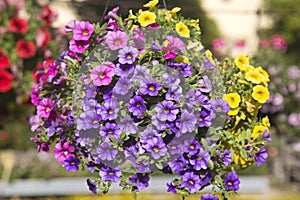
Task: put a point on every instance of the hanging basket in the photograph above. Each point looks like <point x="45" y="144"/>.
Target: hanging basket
<point x="138" y="95"/>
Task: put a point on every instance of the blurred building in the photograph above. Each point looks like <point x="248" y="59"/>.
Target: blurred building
<point x="237" y="19"/>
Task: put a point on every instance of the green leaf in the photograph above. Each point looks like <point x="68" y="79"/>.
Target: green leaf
<point x="159" y="165"/>
<point x="204" y="144"/>
<point x="134" y="195"/>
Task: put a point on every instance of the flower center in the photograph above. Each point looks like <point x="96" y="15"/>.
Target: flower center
<point x="229" y="183"/>
<point x="219" y="108"/>
<point x="110" y="131"/>
<point x="111" y="173"/>
<point x="85" y="32"/>
<point x="192" y="147"/>
<point x="110" y="111"/>
<point x="137" y="104"/>
<point x="47" y="109"/>
<point x="102" y="75"/>
<point x="117" y="41"/>
<point x="155" y="149"/>
<point x="151" y="88"/>
<point x="128" y="56"/>
<point x="167" y="110"/>
<point x="191" y="182"/>
<point x="95" y="121"/>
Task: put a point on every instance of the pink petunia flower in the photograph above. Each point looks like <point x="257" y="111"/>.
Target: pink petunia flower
<point x="218" y="44"/>
<point x="62" y="151"/>
<point x="44" y="108"/>
<point x="102" y="74"/>
<point x="116" y="40"/>
<point x="78" y="46"/>
<point x="83" y="31"/>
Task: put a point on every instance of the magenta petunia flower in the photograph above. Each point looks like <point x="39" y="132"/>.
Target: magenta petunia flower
<point x="116" y="40"/>
<point x="62" y="151"/>
<point x="44" y="108"/>
<point x="78" y="46"/>
<point x="102" y="74"/>
<point x="83" y="31"/>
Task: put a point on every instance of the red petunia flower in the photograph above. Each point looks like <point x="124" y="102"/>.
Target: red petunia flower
<point x="18" y="25"/>
<point x="42" y="38"/>
<point x="6" y="79"/>
<point x="4" y="60"/>
<point x="48" y="15"/>
<point x="25" y="49"/>
<point x="40" y="72"/>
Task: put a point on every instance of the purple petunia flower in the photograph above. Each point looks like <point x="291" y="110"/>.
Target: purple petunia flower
<point x="147" y="134"/>
<point x="208" y="64"/>
<point x="141" y="181"/>
<point x="71" y="164"/>
<point x="110" y="130"/>
<point x="178" y="165"/>
<point x="187" y="122"/>
<point x="150" y="87"/>
<point x="127" y="124"/>
<point x="204" y="85"/>
<point x="110" y="174"/>
<point x="204" y="118"/>
<point x="87" y="120"/>
<point x="102" y="74"/>
<point x="261" y="156"/>
<point x="200" y="160"/>
<point x="140" y="72"/>
<point x="109" y="110"/>
<point x="106" y="152"/>
<point x="175" y="147"/>
<point x="174" y="93"/>
<point x="166" y="110"/>
<point x="266" y="135"/>
<point x="220" y="105"/>
<point x="156" y="147"/>
<point x="226" y="157"/>
<point x="113" y="14"/>
<point x="176" y="43"/>
<point x="232" y="181"/>
<point x="45" y="107"/>
<point x="123" y="70"/>
<point x="171" y="187"/>
<point x="92" y="186"/>
<point x="191" y="147"/>
<point x="116" y="40"/>
<point x="71" y="25"/>
<point x="191" y="181"/>
<point x="122" y="86"/>
<point x="209" y="197"/>
<point x="62" y="150"/>
<point x="127" y="55"/>
<point x="78" y="46"/>
<point x="137" y="106"/>
<point x="83" y="30"/>
<point x="160" y="125"/>
<point x="91" y="92"/>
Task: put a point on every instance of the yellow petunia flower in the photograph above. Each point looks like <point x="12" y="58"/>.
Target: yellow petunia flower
<point x="243" y="163"/>
<point x="258" y="131"/>
<point x="131" y="16"/>
<point x="151" y="4"/>
<point x="265" y="121"/>
<point x="181" y="59"/>
<point x="209" y="56"/>
<point x="233" y="99"/>
<point x="254" y="77"/>
<point x="264" y="73"/>
<point x="174" y="11"/>
<point x="241" y="60"/>
<point x="247" y="68"/>
<point x="260" y="94"/>
<point x="233" y="111"/>
<point x="182" y="30"/>
<point x="195" y="23"/>
<point x="145" y="18"/>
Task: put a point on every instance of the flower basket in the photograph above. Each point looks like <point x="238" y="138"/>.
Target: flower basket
<point x="137" y="95"/>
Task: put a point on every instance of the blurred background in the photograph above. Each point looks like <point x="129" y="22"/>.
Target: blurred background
<point x="268" y="30"/>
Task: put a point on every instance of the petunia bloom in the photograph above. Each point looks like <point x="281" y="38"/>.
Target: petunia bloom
<point x="25" y="49"/>
<point x="83" y="30"/>
<point x="6" y="79"/>
<point x="18" y="25"/>
<point x="45" y="107"/>
<point x="4" y="60"/>
<point x="116" y="40"/>
<point x="232" y="181"/>
<point x="102" y="74"/>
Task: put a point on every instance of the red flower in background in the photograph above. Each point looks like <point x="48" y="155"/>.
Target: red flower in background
<point x="25" y="49"/>
<point x="48" y="15"/>
<point x="18" y="25"/>
<point x="40" y="72"/>
<point x="42" y="38"/>
<point x="4" y="60"/>
<point x="5" y="81"/>
<point x="279" y="42"/>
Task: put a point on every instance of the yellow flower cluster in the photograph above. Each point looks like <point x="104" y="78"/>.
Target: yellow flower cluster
<point x="164" y="17"/>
